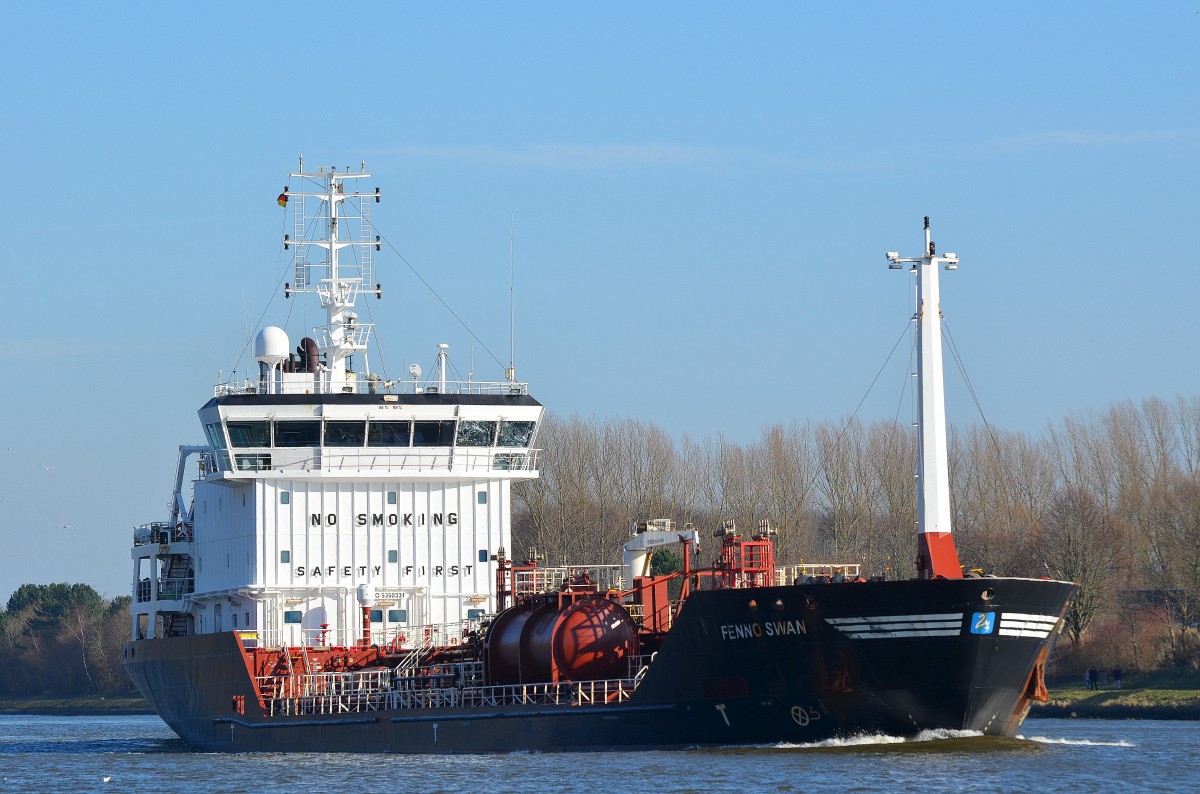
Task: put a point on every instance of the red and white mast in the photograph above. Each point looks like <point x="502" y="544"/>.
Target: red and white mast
<point x="937" y="556"/>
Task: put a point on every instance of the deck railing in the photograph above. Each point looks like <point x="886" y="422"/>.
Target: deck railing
<point x="371" y="385"/>
<point x="398" y="638"/>
<point x="532" y="581"/>
<point x="379" y="690"/>
<point x="443" y="460"/>
<point x="799" y="574"/>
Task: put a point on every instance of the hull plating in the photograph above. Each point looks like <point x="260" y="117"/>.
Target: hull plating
<point x="745" y="666"/>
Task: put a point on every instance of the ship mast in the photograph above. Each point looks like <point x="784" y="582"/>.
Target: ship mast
<point x="332" y="221"/>
<point x="937" y="556"/>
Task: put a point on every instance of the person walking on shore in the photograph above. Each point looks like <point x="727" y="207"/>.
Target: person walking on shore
<point x="1093" y="678"/>
<point x="1116" y="676"/>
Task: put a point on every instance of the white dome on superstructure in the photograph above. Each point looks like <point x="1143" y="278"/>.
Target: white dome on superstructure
<point x="271" y="346"/>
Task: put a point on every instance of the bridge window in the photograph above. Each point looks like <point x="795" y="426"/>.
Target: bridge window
<point x="303" y="433"/>
<point x="345" y="434"/>
<point x="433" y="434"/>
<point x="249" y="434"/>
<point x="389" y="434"/>
<point x="376" y="615"/>
<point x="397" y="616"/>
<point x="252" y="462"/>
<point x="216" y="435"/>
<point x="293" y="616"/>
<point x="515" y="434"/>
<point x="475" y="434"/>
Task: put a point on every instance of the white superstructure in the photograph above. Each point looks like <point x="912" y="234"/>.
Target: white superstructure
<point x="335" y="506"/>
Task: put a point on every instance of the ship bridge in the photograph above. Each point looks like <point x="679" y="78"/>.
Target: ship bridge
<point x="334" y="505"/>
<point x="430" y="434"/>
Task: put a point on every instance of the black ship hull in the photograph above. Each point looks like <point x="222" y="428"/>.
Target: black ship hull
<point x="766" y="665"/>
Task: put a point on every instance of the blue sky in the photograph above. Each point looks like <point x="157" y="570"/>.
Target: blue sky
<point x="702" y="197"/>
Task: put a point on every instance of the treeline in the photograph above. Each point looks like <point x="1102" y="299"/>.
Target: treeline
<point x="62" y="639"/>
<point x="1110" y="500"/>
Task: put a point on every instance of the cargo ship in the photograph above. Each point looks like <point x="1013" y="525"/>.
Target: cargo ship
<point x="334" y="572"/>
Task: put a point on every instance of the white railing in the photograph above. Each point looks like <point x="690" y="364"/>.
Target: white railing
<point x="442" y="686"/>
<point x="160" y="532"/>
<point x="369" y="385"/>
<point x="325" y="693"/>
<point x="175" y="588"/>
<point x="541" y="580"/>
<point x="452" y="460"/>
<point x="798" y="574"/>
<point x="342" y="693"/>
<point x="565" y="693"/>
<point x="403" y="638"/>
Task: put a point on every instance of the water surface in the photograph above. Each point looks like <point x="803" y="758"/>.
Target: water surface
<point x="139" y="753"/>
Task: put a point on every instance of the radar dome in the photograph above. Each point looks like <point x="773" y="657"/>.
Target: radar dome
<point x="271" y="346"/>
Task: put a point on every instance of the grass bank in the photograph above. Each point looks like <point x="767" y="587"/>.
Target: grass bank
<point x="1159" y="695"/>
<point x="76" y="706"/>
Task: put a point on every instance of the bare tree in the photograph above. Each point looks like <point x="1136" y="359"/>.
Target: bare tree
<point x="844" y="484"/>
<point x="1081" y="545"/>
<point x="892" y="456"/>
<point x="1171" y="566"/>
<point x="788" y="471"/>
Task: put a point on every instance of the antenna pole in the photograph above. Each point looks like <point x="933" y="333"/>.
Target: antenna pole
<point x="512" y="321"/>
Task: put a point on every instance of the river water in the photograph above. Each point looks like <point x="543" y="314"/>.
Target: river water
<point x="139" y="753"/>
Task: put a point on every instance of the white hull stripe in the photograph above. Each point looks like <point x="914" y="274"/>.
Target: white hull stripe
<point x="1051" y="619"/>
<point x="891" y="626"/>
<point x="1017" y="624"/>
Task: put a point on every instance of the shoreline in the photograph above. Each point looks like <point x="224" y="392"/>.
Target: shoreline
<point x="1058" y="709"/>
<point x="1170" y="694"/>
<point x="76" y="706"/>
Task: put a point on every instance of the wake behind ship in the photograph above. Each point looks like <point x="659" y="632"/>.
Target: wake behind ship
<point x="334" y="577"/>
